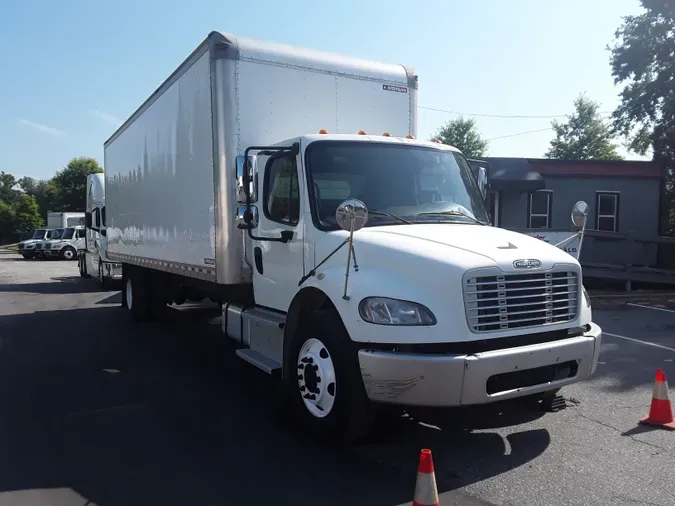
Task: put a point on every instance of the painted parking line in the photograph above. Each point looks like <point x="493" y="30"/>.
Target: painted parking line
<point x="651" y="307"/>
<point x="646" y="343"/>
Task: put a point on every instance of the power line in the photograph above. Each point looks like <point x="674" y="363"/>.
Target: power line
<point x="520" y="133"/>
<point x="502" y="116"/>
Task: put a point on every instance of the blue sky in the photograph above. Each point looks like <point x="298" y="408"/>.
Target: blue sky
<point x="73" y="69"/>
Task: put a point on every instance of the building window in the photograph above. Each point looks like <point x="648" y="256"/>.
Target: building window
<point x="494" y="208"/>
<point x="282" y="200"/>
<point x="539" y="209"/>
<point x="607" y="211"/>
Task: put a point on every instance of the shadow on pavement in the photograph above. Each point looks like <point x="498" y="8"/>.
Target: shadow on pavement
<point x="164" y="413"/>
<point x="63" y="285"/>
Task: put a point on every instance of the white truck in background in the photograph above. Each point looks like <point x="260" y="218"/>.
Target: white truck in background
<point x="351" y="260"/>
<point x="63" y="243"/>
<point x="27" y="246"/>
<point x="56" y="219"/>
<point x="93" y="257"/>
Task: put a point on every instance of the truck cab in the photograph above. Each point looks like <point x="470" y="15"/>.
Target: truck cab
<point x="63" y="244"/>
<point x="93" y="256"/>
<point x="27" y="246"/>
<point x="431" y="294"/>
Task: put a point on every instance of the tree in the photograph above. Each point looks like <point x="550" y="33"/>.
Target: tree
<point x="6" y="222"/>
<point x="584" y="135"/>
<point x="26" y="214"/>
<point x="44" y="193"/>
<point x="463" y="134"/>
<point x="642" y="58"/>
<point x="70" y="184"/>
<point x="8" y="192"/>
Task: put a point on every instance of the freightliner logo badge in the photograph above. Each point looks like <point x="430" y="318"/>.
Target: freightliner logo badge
<point x="528" y="263"/>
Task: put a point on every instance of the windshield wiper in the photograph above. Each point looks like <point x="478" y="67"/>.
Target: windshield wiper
<point x="453" y="213"/>
<point x="377" y="212"/>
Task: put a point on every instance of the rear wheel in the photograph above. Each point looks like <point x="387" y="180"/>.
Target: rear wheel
<point x="324" y="386"/>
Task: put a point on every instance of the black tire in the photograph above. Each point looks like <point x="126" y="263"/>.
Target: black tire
<point x="68" y="253"/>
<point x="135" y="295"/>
<point x="352" y="414"/>
<point x="27" y="256"/>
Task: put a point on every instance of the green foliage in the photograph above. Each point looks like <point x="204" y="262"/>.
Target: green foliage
<point x="26" y="214"/>
<point x="642" y="59"/>
<point x="24" y="203"/>
<point x="70" y="184"/>
<point x="463" y="134"/>
<point x="584" y="135"/>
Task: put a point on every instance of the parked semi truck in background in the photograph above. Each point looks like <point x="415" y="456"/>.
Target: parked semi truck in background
<point x="351" y="260"/>
<point x="93" y="257"/>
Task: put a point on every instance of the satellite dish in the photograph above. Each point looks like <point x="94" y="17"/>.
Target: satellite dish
<point x="579" y="214"/>
<point x="351" y="215"/>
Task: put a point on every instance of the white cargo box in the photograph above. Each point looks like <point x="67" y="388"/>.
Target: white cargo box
<point x="170" y="168"/>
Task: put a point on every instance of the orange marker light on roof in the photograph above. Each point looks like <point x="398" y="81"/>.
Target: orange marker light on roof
<point x="409" y="137"/>
<point x="386" y="134"/>
<point x="437" y="141"/>
<point x="363" y="132"/>
<point x="323" y="131"/>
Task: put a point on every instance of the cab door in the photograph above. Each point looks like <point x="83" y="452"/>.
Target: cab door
<point x="278" y="266"/>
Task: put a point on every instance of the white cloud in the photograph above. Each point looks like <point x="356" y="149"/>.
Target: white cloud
<point x="42" y="128"/>
<point x="106" y="117"/>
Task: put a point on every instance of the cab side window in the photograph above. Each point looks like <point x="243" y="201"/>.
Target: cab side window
<point x="281" y="196"/>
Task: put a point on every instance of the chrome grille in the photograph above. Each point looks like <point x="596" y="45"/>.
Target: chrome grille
<point x="510" y="301"/>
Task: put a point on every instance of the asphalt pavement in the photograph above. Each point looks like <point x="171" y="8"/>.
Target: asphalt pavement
<point x="96" y="410"/>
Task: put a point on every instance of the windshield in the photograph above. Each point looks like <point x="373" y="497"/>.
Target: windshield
<point x="39" y="233"/>
<point x="68" y="233"/>
<point x="418" y="184"/>
<point x="57" y="233"/>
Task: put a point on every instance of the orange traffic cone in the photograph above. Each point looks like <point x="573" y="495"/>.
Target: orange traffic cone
<point x="660" y="412"/>
<point x="426" y="493"/>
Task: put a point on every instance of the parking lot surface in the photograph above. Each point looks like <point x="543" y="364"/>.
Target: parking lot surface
<point x="99" y="411"/>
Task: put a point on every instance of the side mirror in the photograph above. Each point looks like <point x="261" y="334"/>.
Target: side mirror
<point x="482" y="181"/>
<point x="351" y="215"/>
<point x="87" y="219"/>
<point x="247" y="178"/>
<point x="580" y="214"/>
<point x="247" y="217"/>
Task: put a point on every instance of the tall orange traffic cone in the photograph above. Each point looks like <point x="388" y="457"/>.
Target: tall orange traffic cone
<point x="660" y="412"/>
<point x="426" y="493"/>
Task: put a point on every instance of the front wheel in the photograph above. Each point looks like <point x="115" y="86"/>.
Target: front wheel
<point x="27" y="256"/>
<point x="325" y="385"/>
<point x="68" y="253"/>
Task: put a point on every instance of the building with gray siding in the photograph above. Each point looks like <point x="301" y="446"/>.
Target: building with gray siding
<point x="624" y="197"/>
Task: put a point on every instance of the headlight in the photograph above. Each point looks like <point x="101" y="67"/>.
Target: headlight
<point x="384" y="311"/>
<point x="588" y="299"/>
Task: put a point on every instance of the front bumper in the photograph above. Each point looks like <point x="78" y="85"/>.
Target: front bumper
<point x="480" y="378"/>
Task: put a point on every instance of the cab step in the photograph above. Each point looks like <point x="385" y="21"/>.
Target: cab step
<point x="259" y="360"/>
<point x="553" y="403"/>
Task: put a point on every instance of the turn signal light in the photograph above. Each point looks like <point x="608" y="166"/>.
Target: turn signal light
<point x="323" y="131"/>
<point x="437" y="141"/>
<point x="386" y="134"/>
<point x="363" y="132"/>
<point x="409" y="136"/>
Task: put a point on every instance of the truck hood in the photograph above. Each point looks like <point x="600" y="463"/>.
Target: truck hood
<point x="466" y="245"/>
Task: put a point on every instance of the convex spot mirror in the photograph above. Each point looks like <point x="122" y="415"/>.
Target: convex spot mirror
<point x="580" y="214"/>
<point x="351" y="215"/>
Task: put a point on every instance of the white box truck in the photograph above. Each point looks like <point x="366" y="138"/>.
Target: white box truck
<point x="351" y="260"/>
<point x="58" y="219"/>
<point x="93" y="256"/>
